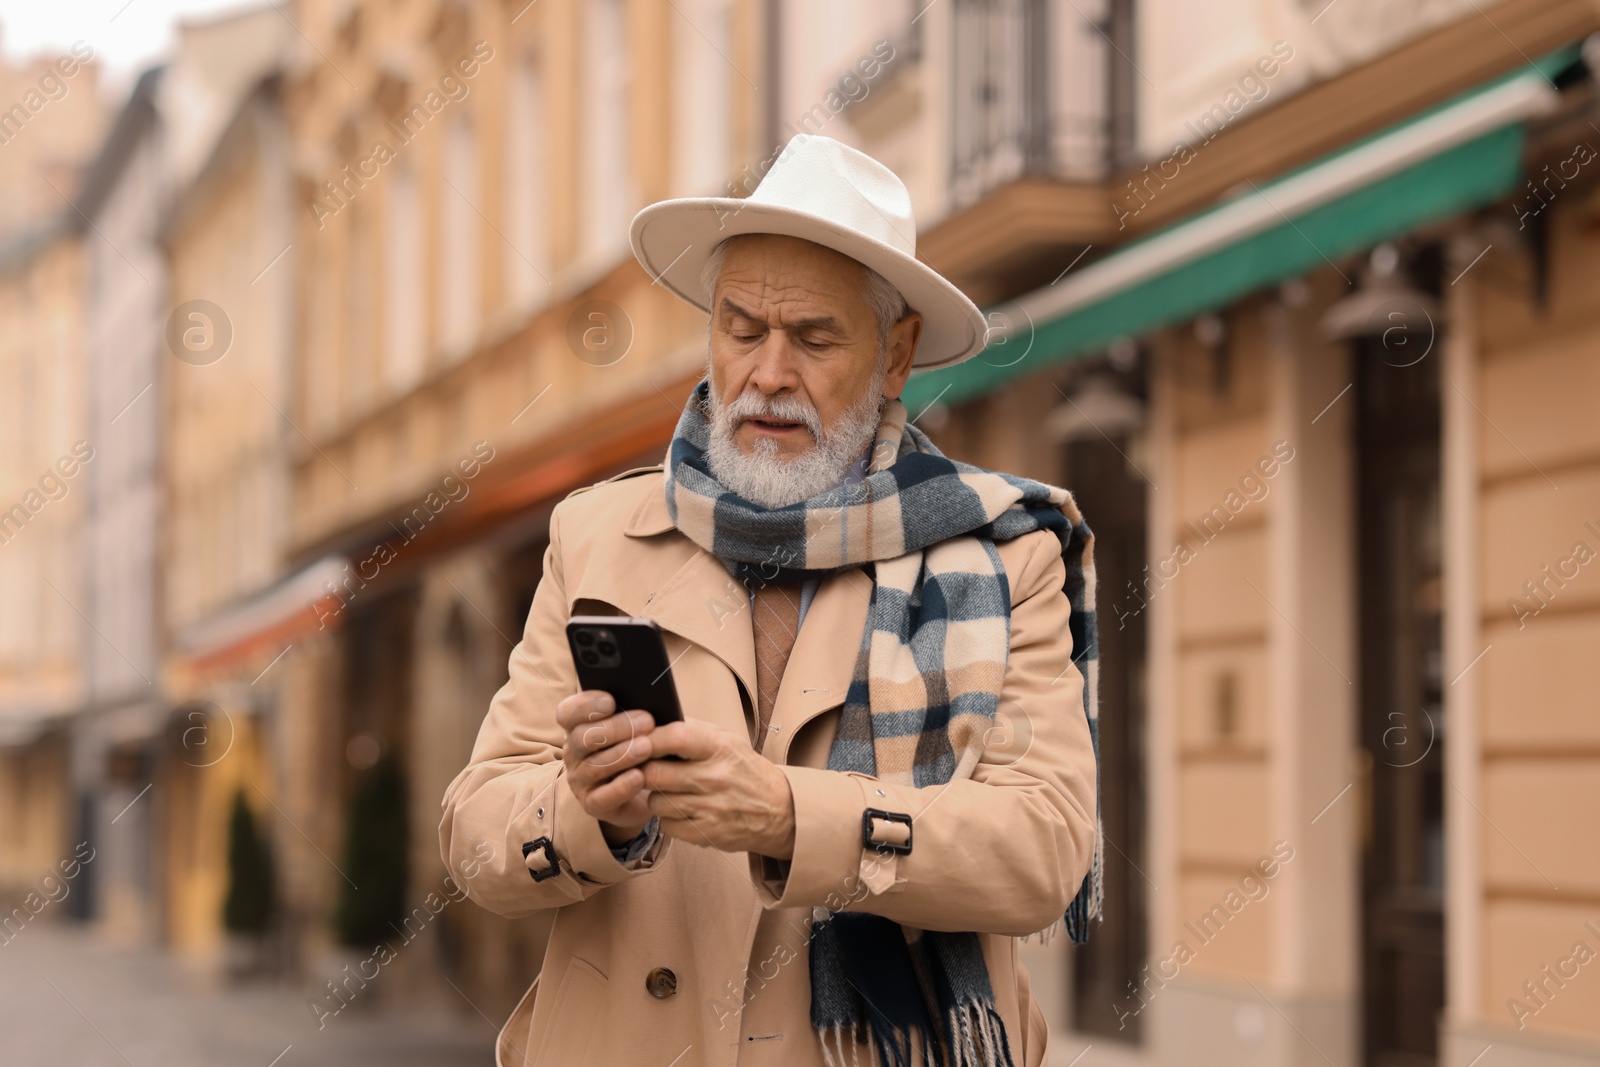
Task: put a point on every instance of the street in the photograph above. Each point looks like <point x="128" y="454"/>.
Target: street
<point x="65" y="998"/>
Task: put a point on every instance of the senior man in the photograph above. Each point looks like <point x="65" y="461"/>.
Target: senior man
<point x="886" y="772"/>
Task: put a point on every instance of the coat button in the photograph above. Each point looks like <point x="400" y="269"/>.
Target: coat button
<point x="661" y="982"/>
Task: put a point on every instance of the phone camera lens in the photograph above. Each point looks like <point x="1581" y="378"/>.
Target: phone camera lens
<point x="607" y="648"/>
<point x="583" y="637"/>
<point x="588" y="656"/>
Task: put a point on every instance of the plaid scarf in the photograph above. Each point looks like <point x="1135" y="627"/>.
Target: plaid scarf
<point x="928" y="525"/>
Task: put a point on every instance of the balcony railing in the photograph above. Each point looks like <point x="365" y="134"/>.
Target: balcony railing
<point x="1039" y="88"/>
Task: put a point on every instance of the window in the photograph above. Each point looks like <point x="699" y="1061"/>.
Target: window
<point x="607" y="185"/>
<point x="527" y="254"/>
<point x="999" y="94"/>
<point x="360" y="309"/>
<point x="16" y="591"/>
<point x="405" y="327"/>
<point x="320" y="400"/>
<point x="702" y="51"/>
<point x="1039" y="88"/>
<point x="60" y="564"/>
<point x="459" y="226"/>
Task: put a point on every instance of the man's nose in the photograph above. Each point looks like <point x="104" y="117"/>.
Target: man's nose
<point x="776" y="368"/>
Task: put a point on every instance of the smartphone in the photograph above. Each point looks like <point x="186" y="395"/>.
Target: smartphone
<point x="627" y="658"/>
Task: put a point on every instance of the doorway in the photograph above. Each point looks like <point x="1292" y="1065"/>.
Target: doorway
<point x="1113" y="492"/>
<point x="1397" y="447"/>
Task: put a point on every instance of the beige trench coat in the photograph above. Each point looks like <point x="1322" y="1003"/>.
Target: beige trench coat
<point x="1001" y="853"/>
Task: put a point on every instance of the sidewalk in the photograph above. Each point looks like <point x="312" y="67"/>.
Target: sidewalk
<point x="66" y="998"/>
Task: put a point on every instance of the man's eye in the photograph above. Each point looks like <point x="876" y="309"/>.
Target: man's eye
<point x="816" y="342"/>
<point x="746" y="337"/>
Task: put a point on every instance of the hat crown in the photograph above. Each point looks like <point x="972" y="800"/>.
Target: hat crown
<point x="834" y="182"/>
<point x="822" y="191"/>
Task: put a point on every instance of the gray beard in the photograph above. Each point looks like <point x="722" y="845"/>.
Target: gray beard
<point x="771" y="481"/>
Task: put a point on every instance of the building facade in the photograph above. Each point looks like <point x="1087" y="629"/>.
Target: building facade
<point x="226" y="445"/>
<point x="49" y="134"/>
<point x="124" y="708"/>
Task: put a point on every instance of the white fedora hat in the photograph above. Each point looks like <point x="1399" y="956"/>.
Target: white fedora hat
<point x="832" y="194"/>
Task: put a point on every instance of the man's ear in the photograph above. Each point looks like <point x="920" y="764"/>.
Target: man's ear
<point x="903" y="338"/>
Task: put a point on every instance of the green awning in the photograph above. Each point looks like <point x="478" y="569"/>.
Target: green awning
<point x="1366" y="193"/>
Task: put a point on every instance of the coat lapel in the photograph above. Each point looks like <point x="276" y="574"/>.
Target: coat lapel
<point x="823" y="660"/>
<point x="691" y="592"/>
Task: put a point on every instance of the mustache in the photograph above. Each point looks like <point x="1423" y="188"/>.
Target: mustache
<point x="787" y="407"/>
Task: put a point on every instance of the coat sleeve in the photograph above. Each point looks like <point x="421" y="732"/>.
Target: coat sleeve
<point x="1001" y="852"/>
<point x="513" y="791"/>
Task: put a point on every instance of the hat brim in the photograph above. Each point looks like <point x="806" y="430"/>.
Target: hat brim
<point x="673" y="239"/>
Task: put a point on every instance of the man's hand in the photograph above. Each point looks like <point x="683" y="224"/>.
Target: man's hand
<point x="723" y="794"/>
<point x="602" y="753"/>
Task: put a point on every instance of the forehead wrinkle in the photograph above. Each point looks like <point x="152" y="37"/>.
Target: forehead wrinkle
<point x="820" y="322"/>
<point x="782" y="300"/>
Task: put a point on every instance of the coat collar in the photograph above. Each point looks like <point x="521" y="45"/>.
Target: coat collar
<point x="664" y="576"/>
<point x="650" y="517"/>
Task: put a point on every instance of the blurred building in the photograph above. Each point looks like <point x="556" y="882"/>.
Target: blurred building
<point x="1296" y="299"/>
<point x="41" y="638"/>
<point x="124" y="705"/>
<point x="51" y="126"/>
<point x="227" y="445"/>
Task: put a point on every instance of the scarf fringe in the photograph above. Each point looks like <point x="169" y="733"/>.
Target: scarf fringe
<point x="834" y="1056"/>
<point x="978" y="1037"/>
<point x="894" y="1047"/>
<point x="975" y="1035"/>
<point x="1089" y="904"/>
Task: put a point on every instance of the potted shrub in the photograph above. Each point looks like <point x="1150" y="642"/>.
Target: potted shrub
<point x="248" y="906"/>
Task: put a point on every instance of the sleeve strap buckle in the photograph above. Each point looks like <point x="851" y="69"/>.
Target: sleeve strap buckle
<point x="549" y="848"/>
<point x="869" y="838"/>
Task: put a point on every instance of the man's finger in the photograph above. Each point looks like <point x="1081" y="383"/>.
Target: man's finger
<point x="596" y="767"/>
<point x="672" y="776"/>
<point x="675" y="809"/>
<point x="689" y="740"/>
<point x="605" y="765"/>
<point x="613" y="730"/>
<point x="584" y="706"/>
<point x="612" y="796"/>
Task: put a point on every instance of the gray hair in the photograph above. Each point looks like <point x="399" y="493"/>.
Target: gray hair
<point x="888" y="306"/>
